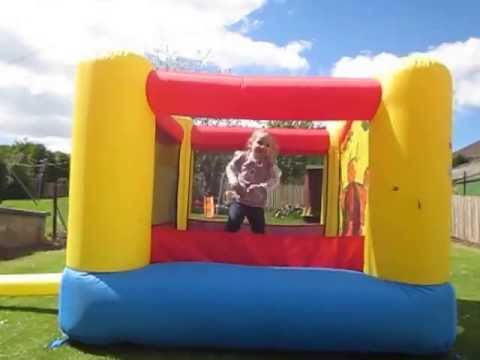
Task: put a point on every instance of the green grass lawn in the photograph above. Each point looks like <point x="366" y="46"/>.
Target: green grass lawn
<point x="471" y="188"/>
<point x="42" y="205"/>
<point x="28" y="324"/>
<point x="47" y="205"/>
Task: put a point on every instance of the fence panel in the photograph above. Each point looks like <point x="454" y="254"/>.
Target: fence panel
<point x="466" y="218"/>
<point x="286" y="194"/>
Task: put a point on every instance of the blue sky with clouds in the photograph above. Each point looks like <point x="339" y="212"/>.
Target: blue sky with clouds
<point x="348" y="28"/>
<point x="42" y="42"/>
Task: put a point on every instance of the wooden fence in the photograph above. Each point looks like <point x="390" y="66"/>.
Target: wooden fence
<point x="465" y="210"/>
<point x="466" y="218"/>
<point x="286" y="194"/>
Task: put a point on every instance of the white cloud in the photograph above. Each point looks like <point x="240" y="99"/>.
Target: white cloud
<point x="53" y="143"/>
<point x="462" y="58"/>
<point x="285" y="57"/>
<point x="249" y="25"/>
<point x="42" y="41"/>
<point x="365" y="65"/>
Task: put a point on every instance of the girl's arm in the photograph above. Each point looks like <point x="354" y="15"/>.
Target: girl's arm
<point x="275" y="176"/>
<point x="233" y="169"/>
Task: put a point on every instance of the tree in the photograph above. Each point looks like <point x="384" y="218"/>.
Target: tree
<point x="459" y="159"/>
<point x="29" y="165"/>
<point x="3" y="179"/>
<point x="209" y="168"/>
<point x="31" y="152"/>
<point x="23" y="163"/>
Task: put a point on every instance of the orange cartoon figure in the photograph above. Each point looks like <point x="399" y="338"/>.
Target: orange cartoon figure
<point x="352" y="202"/>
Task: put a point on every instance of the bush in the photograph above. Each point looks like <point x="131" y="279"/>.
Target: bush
<point x="459" y="159"/>
<point x="3" y="179"/>
<point x="288" y="211"/>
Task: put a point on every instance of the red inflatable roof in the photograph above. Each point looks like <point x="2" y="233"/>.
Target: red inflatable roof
<point x="290" y="141"/>
<point x="262" y="98"/>
<point x="259" y="98"/>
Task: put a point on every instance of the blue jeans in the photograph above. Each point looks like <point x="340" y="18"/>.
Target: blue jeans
<point x="237" y="213"/>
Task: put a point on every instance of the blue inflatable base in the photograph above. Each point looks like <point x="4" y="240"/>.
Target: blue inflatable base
<point x="246" y="307"/>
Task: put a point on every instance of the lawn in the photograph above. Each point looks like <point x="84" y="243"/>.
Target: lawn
<point x="42" y="205"/>
<point x="47" y="205"/>
<point x="28" y="324"/>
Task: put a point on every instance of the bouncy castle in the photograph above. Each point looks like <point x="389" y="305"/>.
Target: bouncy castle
<point x="373" y="278"/>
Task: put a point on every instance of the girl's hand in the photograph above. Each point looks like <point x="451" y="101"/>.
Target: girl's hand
<point x="258" y="190"/>
<point x="256" y="186"/>
<point x="239" y="188"/>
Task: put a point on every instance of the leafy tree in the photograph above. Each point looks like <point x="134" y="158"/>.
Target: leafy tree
<point x="459" y="159"/>
<point x="29" y="165"/>
<point x="3" y="179"/>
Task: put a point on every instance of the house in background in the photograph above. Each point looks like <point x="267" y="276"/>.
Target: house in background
<point x="466" y="170"/>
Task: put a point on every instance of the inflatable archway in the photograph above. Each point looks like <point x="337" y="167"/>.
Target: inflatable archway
<point x="137" y="271"/>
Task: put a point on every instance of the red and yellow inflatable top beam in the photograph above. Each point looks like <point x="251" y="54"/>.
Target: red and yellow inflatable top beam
<point x="262" y="98"/>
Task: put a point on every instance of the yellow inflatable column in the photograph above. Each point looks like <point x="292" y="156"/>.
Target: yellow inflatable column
<point x="185" y="173"/>
<point x="112" y="166"/>
<point x="323" y="205"/>
<point x="333" y="168"/>
<point x="408" y="225"/>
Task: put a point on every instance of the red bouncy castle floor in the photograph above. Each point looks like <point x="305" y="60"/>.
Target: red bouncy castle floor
<point x="278" y="247"/>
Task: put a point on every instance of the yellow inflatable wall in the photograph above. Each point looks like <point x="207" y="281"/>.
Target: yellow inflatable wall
<point x="185" y="173"/>
<point x="408" y="219"/>
<point x="165" y="188"/>
<point x="112" y="166"/>
<point x="333" y="179"/>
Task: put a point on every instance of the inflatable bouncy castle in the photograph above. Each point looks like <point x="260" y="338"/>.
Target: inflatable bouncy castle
<point x="373" y="278"/>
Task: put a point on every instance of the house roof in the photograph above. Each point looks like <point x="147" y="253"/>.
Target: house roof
<point x="471" y="151"/>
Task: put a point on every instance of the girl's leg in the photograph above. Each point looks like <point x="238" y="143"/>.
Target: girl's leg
<point x="236" y="215"/>
<point x="256" y="218"/>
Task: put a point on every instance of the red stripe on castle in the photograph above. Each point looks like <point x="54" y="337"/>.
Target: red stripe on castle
<point x="304" y="250"/>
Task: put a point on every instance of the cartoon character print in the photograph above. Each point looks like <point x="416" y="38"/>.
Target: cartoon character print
<point x="353" y="199"/>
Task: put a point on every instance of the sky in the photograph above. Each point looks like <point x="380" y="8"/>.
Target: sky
<point x="42" y="41"/>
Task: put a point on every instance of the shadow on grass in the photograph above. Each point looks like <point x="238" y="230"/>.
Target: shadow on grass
<point x="29" y="309"/>
<point x="467" y="346"/>
<point x="11" y="253"/>
<point x="127" y="351"/>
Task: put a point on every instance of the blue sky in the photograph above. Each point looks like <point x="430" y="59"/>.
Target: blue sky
<point x="348" y="28"/>
<point x="42" y="42"/>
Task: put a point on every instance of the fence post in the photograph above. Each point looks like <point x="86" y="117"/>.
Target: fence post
<point x="55" y="209"/>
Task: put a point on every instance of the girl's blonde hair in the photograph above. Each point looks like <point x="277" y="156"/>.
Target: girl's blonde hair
<point x="262" y="133"/>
